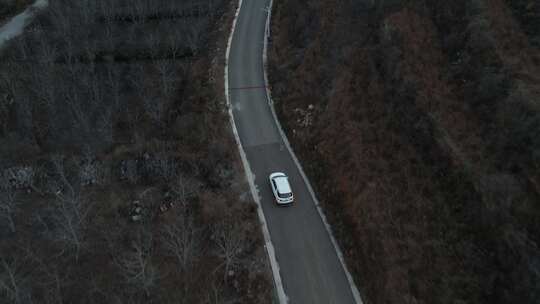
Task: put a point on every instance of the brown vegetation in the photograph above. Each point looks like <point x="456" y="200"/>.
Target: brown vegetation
<point x="119" y="177"/>
<point x="425" y="123"/>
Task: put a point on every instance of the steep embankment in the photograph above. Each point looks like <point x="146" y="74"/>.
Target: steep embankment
<point x="419" y="125"/>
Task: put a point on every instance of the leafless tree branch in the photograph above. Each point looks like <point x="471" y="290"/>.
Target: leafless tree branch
<point x="182" y="240"/>
<point x="13" y="280"/>
<point x="229" y="237"/>
<point x="71" y="211"/>
<point x="8" y="203"/>
<point x="137" y="266"/>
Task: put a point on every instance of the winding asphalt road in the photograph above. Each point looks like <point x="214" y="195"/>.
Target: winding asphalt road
<point x="309" y="266"/>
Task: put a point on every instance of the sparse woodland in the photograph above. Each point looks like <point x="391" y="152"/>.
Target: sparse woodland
<point x="419" y="123"/>
<point x="10" y="7"/>
<point x="119" y="177"/>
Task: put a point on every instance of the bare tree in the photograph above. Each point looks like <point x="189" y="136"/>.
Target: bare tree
<point x="13" y="280"/>
<point x="90" y="49"/>
<point x="167" y="77"/>
<point x="24" y="117"/>
<point x="184" y="188"/>
<point x="215" y="295"/>
<point x="115" y="85"/>
<point x="175" y="41"/>
<point x="13" y="96"/>
<point x="42" y="85"/>
<point x="69" y="57"/>
<point x="71" y="211"/>
<point x="55" y="281"/>
<point x="86" y="10"/>
<point x="137" y="266"/>
<point x="105" y="125"/>
<point x="171" y="7"/>
<point x="5" y="104"/>
<point x="182" y="240"/>
<point x="50" y="274"/>
<point x="153" y="8"/>
<point x="152" y="42"/>
<point x="9" y="205"/>
<point x="154" y="107"/>
<point x="193" y="36"/>
<point x="109" y="36"/>
<point x="9" y="78"/>
<point x="64" y="183"/>
<point x="137" y="79"/>
<point x="138" y="11"/>
<point x="81" y="120"/>
<point x="229" y="237"/>
<point x="94" y="90"/>
<point x="69" y="218"/>
<point x="60" y="17"/>
<point x="108" y="10"/>
<point x="47" y="51"/>
<point x="88" y="169"/>
<point x="97" y="92"/>
<point x="134" y="117"/>
<point x="22" y="48"/>
<point x="131" y="34"/>
<point x="103" y="110"/>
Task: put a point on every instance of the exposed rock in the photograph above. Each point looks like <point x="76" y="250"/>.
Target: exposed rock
<point x="148" y="166"/>
<point x="91" y="173"/>
<point x="20" y="176"/>
<point x="128" y="170"/>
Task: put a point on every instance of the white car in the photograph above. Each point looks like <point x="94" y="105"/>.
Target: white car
<point x="281" y="188"/>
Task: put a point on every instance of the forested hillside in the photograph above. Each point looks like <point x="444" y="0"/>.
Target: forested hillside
<point x="9" y="8"/>
<point x="119" y="177"/>
<point x="419" y="124"/>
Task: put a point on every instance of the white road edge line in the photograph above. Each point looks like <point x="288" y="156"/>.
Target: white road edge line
<point x="354" y="289"/>
<point x="282" y="297"/>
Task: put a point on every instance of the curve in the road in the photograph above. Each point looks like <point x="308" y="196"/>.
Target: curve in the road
<point x="311" y="267"/>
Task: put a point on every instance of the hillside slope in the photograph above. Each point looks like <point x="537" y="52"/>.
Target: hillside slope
<point x="120" y="181"/>
<point x="419" y="124"/>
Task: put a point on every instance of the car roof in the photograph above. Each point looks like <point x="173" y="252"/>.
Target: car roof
<point x="282" y="184"/>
